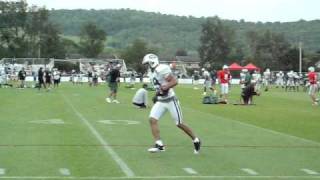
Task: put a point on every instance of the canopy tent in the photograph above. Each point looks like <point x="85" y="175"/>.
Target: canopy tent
<point x="235" y="67"/>
<point x="251" y="67"/>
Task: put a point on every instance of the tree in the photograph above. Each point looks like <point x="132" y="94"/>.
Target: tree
<point x="269" y="49"/>
<point x="290" y="60"/>
<point x="13" y="19"/>
<point x="38" y="21"/>
<point x="27" y="32"/>
<point x="181" y="52"/>
<point x="92" y="40"/>
<point x="215" y="42"/>
<point x="134" y="54"/>
<point x="51" y="44"/>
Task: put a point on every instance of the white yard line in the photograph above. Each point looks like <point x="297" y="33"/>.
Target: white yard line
<point x="161" y="177"/>
<point x="124" y="167"/>
<point x="256" y="127"/>
<point x="64" y="171"/>
<point x="190" y="171"/>
<point x="2" y="171"/>
<point x="310" y="172"/>
<point x="250" y="171"/>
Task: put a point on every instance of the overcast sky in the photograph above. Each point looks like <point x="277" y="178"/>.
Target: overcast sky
<point x="249" y="10"/>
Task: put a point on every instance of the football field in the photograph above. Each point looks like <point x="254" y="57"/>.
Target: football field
<point x="72" y="133"/>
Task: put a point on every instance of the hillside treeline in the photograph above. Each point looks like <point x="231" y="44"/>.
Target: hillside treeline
<point x="30" y="31"/>
<point x="270" y="44"/>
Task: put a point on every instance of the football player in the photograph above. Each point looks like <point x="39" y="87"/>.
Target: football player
<point x="312" y="76"/>
<point x="207" y="81"/>
<point x="165" y="100"/>
<point x="224" y="79"/>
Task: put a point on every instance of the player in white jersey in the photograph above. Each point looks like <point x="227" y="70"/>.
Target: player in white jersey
<point x="280" y="81"/>
<point x="196" y="77"/>
<point x="290" y="81"/>
<point x="79" y="79"/>
<point x="266" y="79"/>
<point x="165" y="100"/>
<point x="256" y="80"/>
<point x="207" y="81"/>
<point x="56" y="78"/>
<point x="242" y="78"/>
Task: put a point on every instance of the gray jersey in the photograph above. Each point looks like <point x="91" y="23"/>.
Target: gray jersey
<point x="141" y="96"/>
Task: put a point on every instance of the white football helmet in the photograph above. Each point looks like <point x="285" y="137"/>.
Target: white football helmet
<point x="151" y="59"/>
<point x="311" y="69"/>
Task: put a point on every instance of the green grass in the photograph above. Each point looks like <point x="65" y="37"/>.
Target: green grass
<point x="276" y="138"/>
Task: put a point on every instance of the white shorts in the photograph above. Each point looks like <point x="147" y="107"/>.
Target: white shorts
<point x="313" y="89"/>
<point x="195" y="82"/>
<point x="207" y="83"/>
<point x="172" y="106"/>
<point x="290" y="82"/>
<point x="224" y="88"/>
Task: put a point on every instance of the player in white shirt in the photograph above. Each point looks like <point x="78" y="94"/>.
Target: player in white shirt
<point x="79" y="79"/>
<point x="280" y="81"/>
<point x="256" y="80"/>
<point x="266" y="79"/>
<point x="196" y="77"/>
<point x="56" y="78"/>
<point x="297" y="78"/>
<point x="290" y="81"/>
<point x="242" y="78"/>
<point x="140" y="99"/>
<point x="165" y="100"/>
<point x="207" y="81"/>
<point x="73" y="77"/>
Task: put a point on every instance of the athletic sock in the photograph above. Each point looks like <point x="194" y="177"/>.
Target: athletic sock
<point x="196" y="140"/>
<point x="159" y="142"/>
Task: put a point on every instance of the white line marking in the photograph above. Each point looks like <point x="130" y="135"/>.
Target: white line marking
<point x="256" y="127"/>
<point x="48" y="121"/>
<point x="250" y="171"/>
<point x="311" y="172"/>
<point x="64" y="171"/>
<point x="163" y="177"/>
<point x="124" y="167"/>
<point x="119" y="122"/>
<point x="2" y="171"/>
<point x="190" y="171"/>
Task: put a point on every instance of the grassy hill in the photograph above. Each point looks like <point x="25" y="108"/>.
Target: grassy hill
<point x="169" y="33"/>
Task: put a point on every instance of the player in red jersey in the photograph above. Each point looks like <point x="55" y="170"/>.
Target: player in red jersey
<point x="224" y="79"/>
<point x="312" y="76"/>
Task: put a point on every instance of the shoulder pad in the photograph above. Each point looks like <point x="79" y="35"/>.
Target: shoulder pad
<point x="163" y="69"/>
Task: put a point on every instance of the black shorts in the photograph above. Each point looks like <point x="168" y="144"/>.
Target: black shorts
<point x="41" y="81"/>
<point x="48" y="80"/>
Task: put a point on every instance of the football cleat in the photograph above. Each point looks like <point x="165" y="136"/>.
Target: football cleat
<point x="116" y="101"/>
<point x="197" y="146"/>
<point x="156" y="148"/>
<point x="108" y="100"/>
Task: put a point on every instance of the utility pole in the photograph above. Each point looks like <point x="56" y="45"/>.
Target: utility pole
<point x="39" y="48"/>
<point x="300" y="57"/>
